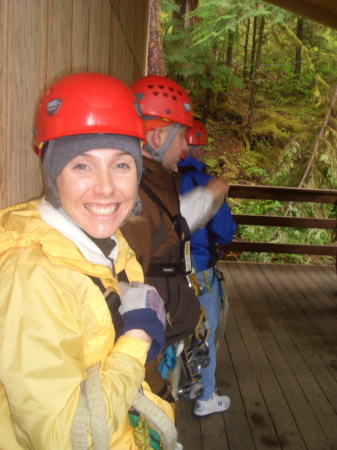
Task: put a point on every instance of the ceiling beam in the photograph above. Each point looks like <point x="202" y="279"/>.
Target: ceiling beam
<point x="317" y="13"/>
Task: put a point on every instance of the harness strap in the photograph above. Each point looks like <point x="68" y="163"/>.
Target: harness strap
<point x="209" y="283"/>
<point x="179" y="224"/>
<point x="163" y="270"/>
<point x="114" y="302"/>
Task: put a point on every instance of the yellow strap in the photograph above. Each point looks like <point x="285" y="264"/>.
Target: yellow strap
<point x="208" y="287"/>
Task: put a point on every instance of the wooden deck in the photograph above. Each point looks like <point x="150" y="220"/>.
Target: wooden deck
<point x="277" y="363"/>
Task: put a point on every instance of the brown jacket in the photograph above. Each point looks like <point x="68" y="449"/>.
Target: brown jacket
<point x="154" y="241"/>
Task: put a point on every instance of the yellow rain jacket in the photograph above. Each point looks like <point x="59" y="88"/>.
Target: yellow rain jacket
<point x="54" y="324"/>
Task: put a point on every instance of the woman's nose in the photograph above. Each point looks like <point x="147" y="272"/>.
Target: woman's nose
<point x="104" y="183"/>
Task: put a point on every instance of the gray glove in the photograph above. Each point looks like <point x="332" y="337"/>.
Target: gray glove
<point x="142" y="308"/>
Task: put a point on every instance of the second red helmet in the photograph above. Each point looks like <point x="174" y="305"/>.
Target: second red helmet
<point x="197" y="135"/>
<point x="164" y="98"/>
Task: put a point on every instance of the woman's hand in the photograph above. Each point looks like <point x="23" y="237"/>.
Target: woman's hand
<point x="143" y="315"/>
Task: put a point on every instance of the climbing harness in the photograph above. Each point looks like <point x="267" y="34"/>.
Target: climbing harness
<point x="220" y="331"/>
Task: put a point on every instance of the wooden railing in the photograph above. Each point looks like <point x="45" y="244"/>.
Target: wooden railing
<point x="283" y="194"/>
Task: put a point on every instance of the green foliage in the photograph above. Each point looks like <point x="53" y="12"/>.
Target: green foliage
<point x="290" y="105"/>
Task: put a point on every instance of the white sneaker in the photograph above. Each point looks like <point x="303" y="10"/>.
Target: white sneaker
<point x="216" y="404"/>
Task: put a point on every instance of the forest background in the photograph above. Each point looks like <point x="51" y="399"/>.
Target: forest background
<point x="264" y="82"/>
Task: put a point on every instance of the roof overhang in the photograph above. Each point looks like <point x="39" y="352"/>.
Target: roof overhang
<point x="321" y="11"/>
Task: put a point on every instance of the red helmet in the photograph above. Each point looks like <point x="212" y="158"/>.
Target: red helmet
<point x="84" y="103"/>
<point x="197" y="135"/>
<point x="161" y="97"/>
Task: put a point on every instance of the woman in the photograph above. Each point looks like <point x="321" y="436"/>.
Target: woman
<point x="65" y="380"/>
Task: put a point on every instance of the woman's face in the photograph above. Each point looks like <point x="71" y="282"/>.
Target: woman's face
<point x="98" y="190"/>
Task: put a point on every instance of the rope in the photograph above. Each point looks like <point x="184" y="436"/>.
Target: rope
<point x="157" y="420"/>
<point x="98" y="419"/>
<point x="79" y="425"/>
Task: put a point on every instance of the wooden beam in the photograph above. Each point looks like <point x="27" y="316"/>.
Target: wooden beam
<point x="283" y="194"/>
<point x="278" y="221"/>
<point x="320" y="12"/>
<point x="266" y="247"/>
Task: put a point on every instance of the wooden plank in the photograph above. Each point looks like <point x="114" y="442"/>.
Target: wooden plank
<point x="189" y="432"/>
<point x="327" y="280"/>
<point x="278" y="221"/>
<point x="80" y="36"/>
<point x="59" y="39"/>
<point x="283" y="193"/>
<point x="126" y="57"/>
<point x="237" y="426"/>
<point x="95" y="24"/>
<point x="140" y="46"/>
<point x="280" y="412"/>
<point x="105" y="38"/>
<point x="117" y="42"/>
<point x="321" y="333"/>
<point x="321" y="295"/>
<point x="27" y="77"/>
<point x="271" y="247"/>
<point x="245" y="355"/>
<point x="4" y="106"/>
<point x="311" y="408"/>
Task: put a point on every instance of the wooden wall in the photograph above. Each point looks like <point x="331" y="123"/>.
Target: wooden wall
<point x="42" y="40"/>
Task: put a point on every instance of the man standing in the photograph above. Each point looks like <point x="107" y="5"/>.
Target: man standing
<point x="220" y="229"/>
<point x="160" y="236"/>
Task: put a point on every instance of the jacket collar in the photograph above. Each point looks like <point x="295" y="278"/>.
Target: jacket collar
<point x="188" y="161"/>
<point x="62" y="223"/>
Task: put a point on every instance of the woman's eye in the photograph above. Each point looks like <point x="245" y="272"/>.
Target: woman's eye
<point x="81" y="167"/>
<point x="122" y="166"/>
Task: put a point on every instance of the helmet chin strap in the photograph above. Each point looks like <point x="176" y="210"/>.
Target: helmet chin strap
<point x="158" y="155"/>
<point x="51" y="193"/>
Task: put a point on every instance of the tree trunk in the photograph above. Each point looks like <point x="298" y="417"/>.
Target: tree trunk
<point x="156" y="64"/>
<point x="229" y="56"/>
<point x="191" y="5"/>
<point x="254" y="84"/>
<point x="179" y="15"/>
<point x="206" y="108"/>
<point x="245" y="49"/>
<point x="252" y="57"/>
<point x="298" y="62"/>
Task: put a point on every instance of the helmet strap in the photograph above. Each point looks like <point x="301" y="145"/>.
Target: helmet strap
<point x="51" y="194"/>
<point x="158" y="155"/>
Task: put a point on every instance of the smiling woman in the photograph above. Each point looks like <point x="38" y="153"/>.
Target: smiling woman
<point x="61" y="357"/>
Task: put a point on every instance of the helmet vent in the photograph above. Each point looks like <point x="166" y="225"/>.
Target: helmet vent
<point x="174" y="97"/>
<point x="161" y="86"/>
<point x="168" y="111"/>
<point x="156" y="93"/>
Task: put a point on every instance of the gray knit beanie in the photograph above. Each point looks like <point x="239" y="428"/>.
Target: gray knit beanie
<point x="61" y="151"/>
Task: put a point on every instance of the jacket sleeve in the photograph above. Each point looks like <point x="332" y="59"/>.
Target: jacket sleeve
<point x="54" y="324"/>
<point x="197" y="208"/>
<point x="222" y="226"/>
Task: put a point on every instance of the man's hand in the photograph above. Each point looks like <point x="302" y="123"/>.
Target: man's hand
<point x="219" y="189"/>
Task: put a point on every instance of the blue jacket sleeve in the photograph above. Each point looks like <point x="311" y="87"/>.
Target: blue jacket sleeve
<point x="221" y="226"/>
